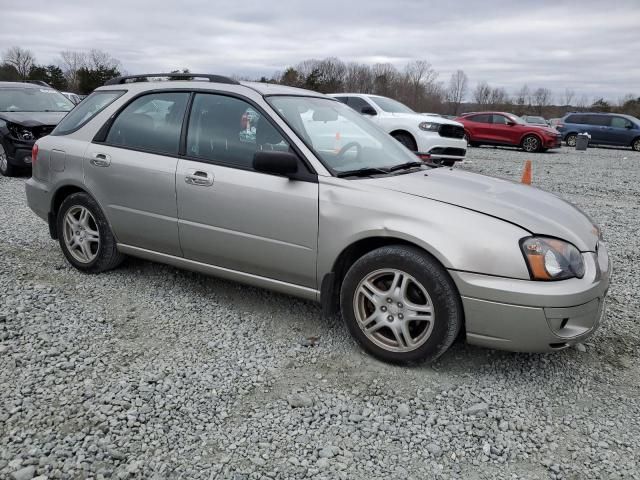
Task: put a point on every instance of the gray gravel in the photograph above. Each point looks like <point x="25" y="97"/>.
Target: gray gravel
<point x="152" y="372"/>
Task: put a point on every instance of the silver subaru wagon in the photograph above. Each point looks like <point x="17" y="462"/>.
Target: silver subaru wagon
<point x="293" y="191"/>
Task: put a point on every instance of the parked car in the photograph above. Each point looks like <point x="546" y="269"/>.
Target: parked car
<point x="409" y="254"/>
<point x="74" y="97"/>
<point x="27" y="112"/>
<point x="500" y="128"/>
<point x="431" y="137"/>
<point x="535" y="120"/>
<point x="604" y="128"/>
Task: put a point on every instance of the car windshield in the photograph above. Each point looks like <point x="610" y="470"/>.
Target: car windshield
<point x="33" y="100"/>
<point x="342" y="138"/>
<point x="391" y="106"/>
<point x="539" y="120"/>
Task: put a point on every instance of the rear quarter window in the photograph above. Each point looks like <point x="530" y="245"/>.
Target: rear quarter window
<point x="86" y="110"/>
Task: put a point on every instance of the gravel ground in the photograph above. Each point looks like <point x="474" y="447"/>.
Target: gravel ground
<point x="152" y="372"/>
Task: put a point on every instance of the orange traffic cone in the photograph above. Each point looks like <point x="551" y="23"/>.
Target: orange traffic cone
<point x="526" y="175"/>
<point x="336" y="145"/>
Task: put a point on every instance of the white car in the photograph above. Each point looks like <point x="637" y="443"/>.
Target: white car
<point x="75" y="98"/>
<point x="430" y="137"/>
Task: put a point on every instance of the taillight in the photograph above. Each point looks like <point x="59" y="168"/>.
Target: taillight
<point x="34" y="154"/>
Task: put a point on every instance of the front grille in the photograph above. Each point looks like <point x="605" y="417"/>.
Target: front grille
<point x="42" y="131"/>
<point x="452" y="131"/>
<point x="454" y="152"/>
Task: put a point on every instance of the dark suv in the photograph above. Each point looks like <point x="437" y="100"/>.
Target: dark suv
<point x="27" y="112"/>
<point x="604" y="128"/>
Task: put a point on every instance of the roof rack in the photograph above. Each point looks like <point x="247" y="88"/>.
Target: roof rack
<point x="171" y="76"/>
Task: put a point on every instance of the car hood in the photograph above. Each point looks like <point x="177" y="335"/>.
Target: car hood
<point x="33" y="119"/>
<point x="532" y="209"/>
<point x="420" y="117"/>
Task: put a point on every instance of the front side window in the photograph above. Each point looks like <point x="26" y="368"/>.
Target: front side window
<point x="500" y="120"/>
<point x="358" y="103"/>
<point x="33" y="100"/>
<point x="85" y="111"/>
<point x="390" y="105"/>
<point x="342" y="139"/>
<point x="151" y="122"/>
<point x="619" y="122"/>
<point x="230" y="131"/>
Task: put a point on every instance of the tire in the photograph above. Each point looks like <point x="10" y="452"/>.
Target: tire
<point x="6" y="169"/>
<point x="406" y="140"/>
<point x="636" y="144"/>
<point x="425" y="284"/>
<point x="93" y="233"/>
<point x="571" y="140"/>
<point x="531" y="144"/>
<point x="467" y="139"/>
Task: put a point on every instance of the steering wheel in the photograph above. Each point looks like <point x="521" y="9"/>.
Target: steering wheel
<point x="348" y="147"/>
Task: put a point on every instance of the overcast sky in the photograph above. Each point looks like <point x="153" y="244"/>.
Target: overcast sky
<point x="589" y="46"/>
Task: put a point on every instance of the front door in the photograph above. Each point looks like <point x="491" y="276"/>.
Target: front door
<point x="234" y="217"/>
<point x="132" y="173"/>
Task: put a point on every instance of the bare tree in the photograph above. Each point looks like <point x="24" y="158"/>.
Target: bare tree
<point x="72" y="62"/>
<point x="482" y="93"/>
<point x="98" y="59"/>
<point x="457" y="90"/>
<point x="568" y="97"/>
<point x="499" y="98"/>
<point x="522" y="100"/>
<point x="358" y="78"/>
<point x="20" y="59"/>
<point x="583" y="102"/>
<point x="417" y="74"/>
<point x="542" y="98"/>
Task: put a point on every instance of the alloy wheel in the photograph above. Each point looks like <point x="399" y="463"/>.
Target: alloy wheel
<point x="571" y="141"/>
<point x="393" y="310"/>
<point x="530" y="144"/>
<point x="81" y="235"/>
<point x="636" y="145"/>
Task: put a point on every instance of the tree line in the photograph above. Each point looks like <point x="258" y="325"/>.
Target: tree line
<point x="79" y="72"/>
<point x="417" y="84"/>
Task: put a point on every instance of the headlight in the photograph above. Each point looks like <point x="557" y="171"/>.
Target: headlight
<point x="429" y="127"/>
<point x="20" y="132"/>
<point x="552" y="259"/>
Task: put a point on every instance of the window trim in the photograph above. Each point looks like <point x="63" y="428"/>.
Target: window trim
<point x="310" y="175"/>
<point x="83" y="123"/>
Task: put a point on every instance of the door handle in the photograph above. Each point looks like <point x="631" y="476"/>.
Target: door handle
<point x="199" y="178"/>
<point x="100" y="160"/>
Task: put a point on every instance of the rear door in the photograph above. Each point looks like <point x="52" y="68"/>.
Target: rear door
<point x="132" y="172"/>
<point x="480" y="127"/>
<point x="233" y="217"/>
<point x="599" y="128"/>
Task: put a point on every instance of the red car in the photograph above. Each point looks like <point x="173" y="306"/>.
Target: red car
<point x="499" y="128"/>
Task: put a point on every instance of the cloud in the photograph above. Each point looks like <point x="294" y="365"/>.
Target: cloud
<point x="584" y="45"/>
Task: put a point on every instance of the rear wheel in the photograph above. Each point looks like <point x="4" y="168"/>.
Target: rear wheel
<point x="531" y="144"/>
<point x="85" y="236"/>
<point x="401" y="305"/>
<point x="407" y="140"/>
<point x="6" y="168"/>
<point x="636" y="144"/>
<point x="571" y="140"/>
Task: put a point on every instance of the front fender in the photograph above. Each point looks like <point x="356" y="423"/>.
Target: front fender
<point x="459" y="238"/>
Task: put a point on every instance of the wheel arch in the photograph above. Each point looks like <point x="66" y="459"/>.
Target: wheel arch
<point x="404" y="131"/>
<point x="332" y="281"/>
<point x="528" y="134"/>
<point x="61" y="193"/>
<point x="634" y="140"/>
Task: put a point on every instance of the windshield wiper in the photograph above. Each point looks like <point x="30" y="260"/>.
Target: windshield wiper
<point x="405" y="166"/>
<point x="362" y="172"/>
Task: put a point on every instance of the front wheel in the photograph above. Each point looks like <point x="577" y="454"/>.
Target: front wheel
<point x="636" y="144"/>
<point x="531" y="144"/>
<point x="401" y="305"/>
<point x="6" y="169"/>
<point x="406" y="140"/>
<point x="571" y="140"/>
<point x="85" y="236"/>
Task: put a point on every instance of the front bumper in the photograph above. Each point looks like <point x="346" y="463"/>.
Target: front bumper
<point x="529" y="316"/>
<point x="18" y="151"/>
<point x="442" y="147"/>
<point x="552" y="142"/>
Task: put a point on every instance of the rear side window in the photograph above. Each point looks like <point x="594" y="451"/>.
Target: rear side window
<point x="86" y="110"/>
<point x="484" y="118"/>
<point x="357" y="103"/>
<point x="576" y="119"/>
<point x="152" y="122"/>
<point x="230" y="131"/>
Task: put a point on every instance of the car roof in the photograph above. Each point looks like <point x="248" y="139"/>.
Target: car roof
<point x="628" y="117"/>
<point x="345" y="94"/>
<point x="261" y="88"/>
<point x="19" y="84"/>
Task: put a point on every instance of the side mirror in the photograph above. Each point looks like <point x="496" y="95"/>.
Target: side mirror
<point x="511" y="123"/>
<point x="276" y="163"/>
<point x="368" y="110"/>
<point x="629" y="126"/>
